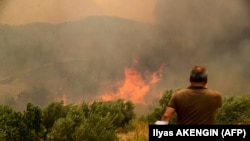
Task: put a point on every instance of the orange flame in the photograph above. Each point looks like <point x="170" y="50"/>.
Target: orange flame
<point x="134" y="87"/>
<point x="63" y="98"/>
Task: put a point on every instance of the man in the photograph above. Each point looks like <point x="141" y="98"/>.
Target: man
<point x="196" y="104"/>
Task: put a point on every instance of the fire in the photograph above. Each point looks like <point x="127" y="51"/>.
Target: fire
<point x="64" y="99"/>
<point x="134" y="87"/>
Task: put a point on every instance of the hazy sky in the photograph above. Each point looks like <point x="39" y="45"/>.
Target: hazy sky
<point x="56" y="11"/>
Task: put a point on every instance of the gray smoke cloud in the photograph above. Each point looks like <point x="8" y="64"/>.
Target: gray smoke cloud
<point x="214" y="34"/>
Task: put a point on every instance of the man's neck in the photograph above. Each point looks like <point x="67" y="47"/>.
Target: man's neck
<point x="197" y="86"/>
<point x="201" y="84"/>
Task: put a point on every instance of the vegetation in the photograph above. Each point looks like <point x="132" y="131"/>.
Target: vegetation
<point x="159" y="110"/>
<point x="110" y="120"/>
<point x="59" y="122"/>
<point x="235" y="109"/>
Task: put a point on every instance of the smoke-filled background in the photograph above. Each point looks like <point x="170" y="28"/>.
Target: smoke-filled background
<point x="211" y="33"/>
<point x="85" y="50"/>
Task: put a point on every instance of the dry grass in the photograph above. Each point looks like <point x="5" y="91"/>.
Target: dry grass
<point x="137" y="131"/>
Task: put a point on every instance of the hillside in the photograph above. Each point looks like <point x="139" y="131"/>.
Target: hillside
<point x="76" y="59"/>
<point x="80" y="60"/>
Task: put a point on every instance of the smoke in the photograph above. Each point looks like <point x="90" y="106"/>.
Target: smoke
<point x="191" y="24"/>
<point x="86" y="58"/>
<point x="3" y="4"/>
<point x="16" y="12"/>
<point x="214" y="34"/>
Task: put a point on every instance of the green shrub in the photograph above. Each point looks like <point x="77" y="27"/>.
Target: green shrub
<point x="160" y="109"/>
<point x="20" y="126"/>
<point x="97" y="128"/>
<point x="53" y="112"/>
<point x="97" y="121"/>
<point x="235" y="110"/>
<point x="124" y="111"/>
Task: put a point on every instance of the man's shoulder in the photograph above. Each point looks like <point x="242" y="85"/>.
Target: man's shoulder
<point x="182" y="91"/>
<point x="214" y="92"/>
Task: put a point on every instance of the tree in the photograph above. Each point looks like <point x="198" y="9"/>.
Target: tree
<point x="235" y="110"/>
<point x="97" y="121"/>
<point x="12" y="126"/>
<point x="121" y="110"/>
<point x="33" y="120"/>
<point x="97" y="128"/>
<point x="53" y="112"/>
<point x="159" y="110"/>
<point x="62" y="130"/>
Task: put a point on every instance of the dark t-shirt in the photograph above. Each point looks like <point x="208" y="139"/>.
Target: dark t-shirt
<point x="196" y="105"/>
